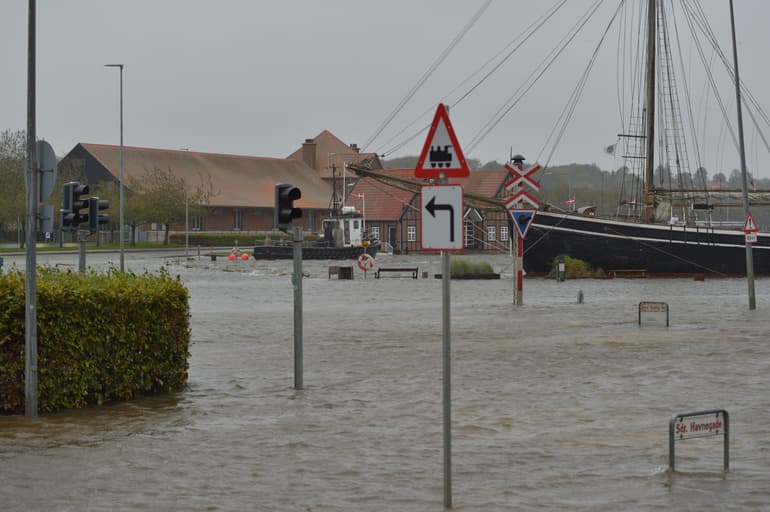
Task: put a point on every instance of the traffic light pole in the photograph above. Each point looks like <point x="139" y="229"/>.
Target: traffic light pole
<point x="297" y="281"/>
<point x="82" y="236"/>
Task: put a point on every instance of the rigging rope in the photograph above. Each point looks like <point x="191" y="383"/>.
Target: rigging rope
<point x="528" y="32"/>
<point x="429" y="72"/>
<point x="533" y="78"/>
<point x="569" y="110"/>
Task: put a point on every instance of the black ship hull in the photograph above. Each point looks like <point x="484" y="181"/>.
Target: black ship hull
<point x="313" y="252"/>
<point x="656" y="249"/>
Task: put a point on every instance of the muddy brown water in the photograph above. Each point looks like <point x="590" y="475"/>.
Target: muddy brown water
<point x="557" y="405"/>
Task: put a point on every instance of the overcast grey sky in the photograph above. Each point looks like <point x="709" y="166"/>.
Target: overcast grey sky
<point x="254" y="77"/>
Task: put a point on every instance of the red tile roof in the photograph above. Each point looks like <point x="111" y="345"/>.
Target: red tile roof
<point x="330" y="151"/>
<point x="384" y="202"/>
<point x="238" y="181"/>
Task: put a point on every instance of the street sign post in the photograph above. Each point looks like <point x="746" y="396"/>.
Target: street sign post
<point x="521" y="215"/>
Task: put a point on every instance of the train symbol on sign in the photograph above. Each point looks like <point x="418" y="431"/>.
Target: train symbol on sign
<point x="440" y="157"/>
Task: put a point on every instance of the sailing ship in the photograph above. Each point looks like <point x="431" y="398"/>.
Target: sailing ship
<point x="663" y="231"/>
<point x="671" y="233"/>
<point x="343" y="237"/>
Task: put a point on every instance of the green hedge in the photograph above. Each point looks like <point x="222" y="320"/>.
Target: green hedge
<point x="101" y="337"/>
<point x="245" y="240"/>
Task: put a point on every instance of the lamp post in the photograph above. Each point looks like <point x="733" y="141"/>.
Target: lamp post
<point x="186" y="208"/>
<point x="120" y="185"/>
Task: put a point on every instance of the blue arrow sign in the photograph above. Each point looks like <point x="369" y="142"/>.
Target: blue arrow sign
<point x="522" y="220"/>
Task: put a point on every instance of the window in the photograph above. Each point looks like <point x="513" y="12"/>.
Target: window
<point x="237" y="219"/>
<point x="411" y="233"/>
<point x="375" y="232"/>
<point x="503" y="233"/>
<point x="491" y="233"/>
<point x="197" y="223"/>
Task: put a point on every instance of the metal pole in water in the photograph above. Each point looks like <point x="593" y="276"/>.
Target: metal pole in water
<point x="297" y="282"/>
<point x="30" y="323"/>
<point x="519" y="269"/>
<point x="749" y="255"/>
<point x="447" y="380"/>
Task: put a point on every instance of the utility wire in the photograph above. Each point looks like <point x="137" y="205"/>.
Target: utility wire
<point x="428" y="73"/>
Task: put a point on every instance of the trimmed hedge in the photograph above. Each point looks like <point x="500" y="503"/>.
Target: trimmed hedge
<point x="101" y="337"/>
<point x="245" y="239"/>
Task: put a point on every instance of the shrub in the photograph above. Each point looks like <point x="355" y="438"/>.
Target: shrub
<point x="467" y="267"/>
<point x="573" y="268"/>
<point x="101" y="337"/>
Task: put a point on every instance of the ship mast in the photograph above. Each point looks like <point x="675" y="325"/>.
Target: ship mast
<point x="649" y="194"/>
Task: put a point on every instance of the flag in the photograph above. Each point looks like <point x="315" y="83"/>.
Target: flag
<point x="610" y="150"/>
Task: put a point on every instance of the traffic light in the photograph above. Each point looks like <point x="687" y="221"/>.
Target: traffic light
<point x="72" y="203"/>
<point x="285" y="213"/>
<point x="96" y="219"/>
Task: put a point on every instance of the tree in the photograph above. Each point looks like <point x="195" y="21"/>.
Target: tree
<point x="159" y="196"/>
<point x="701" y="177"/>
<point x="12" y="186"/>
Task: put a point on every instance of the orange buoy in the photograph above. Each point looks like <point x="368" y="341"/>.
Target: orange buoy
<point x="244" y="256"/>
<point x="232" y="256"/>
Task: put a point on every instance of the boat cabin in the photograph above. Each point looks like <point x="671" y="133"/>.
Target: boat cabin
<point x="345" y="230"/>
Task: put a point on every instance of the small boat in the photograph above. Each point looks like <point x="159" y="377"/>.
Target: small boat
<point x="344" y="237"/>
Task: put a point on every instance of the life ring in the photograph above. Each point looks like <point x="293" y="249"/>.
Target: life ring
<point x="365" y="262"/>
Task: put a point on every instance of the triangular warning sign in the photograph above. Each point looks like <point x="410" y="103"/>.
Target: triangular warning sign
<point x="750" y="226"/>
<point x="522" y="220"/>
<point x="441" y="153"/>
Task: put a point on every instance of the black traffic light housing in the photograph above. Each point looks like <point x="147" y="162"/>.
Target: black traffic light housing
<point x="285" y="212"/>
<point x="72" y="204"/>
<point x="96" y="219"/>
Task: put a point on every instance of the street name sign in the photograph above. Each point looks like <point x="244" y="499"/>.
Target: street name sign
<point x="442" y="217"/>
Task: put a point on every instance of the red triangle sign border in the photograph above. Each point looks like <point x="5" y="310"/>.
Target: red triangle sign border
<point x="450" y="172"/>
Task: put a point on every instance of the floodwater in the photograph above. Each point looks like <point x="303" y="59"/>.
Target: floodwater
<point x="556" y="404"/>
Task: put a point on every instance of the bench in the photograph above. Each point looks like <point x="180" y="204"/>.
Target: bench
<point x="628" y="273"/>
<point x="400" y="271"/>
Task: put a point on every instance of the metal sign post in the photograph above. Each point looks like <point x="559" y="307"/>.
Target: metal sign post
<point x="521" y="216"/>
<point x="30" y="284"/>
<point x="297" y="282"/>
<point x="446" y="359"/>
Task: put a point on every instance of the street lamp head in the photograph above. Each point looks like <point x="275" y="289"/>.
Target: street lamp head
<point x="114" y="66"/>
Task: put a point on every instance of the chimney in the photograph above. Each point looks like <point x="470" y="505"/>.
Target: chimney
<point x="308" y="153"/>
<point x="354" y="147"/>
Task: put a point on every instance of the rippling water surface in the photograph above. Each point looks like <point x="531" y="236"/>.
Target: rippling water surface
<point x="557" y="405"/>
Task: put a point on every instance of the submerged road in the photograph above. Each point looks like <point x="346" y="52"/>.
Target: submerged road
<point x="557" y="405"/>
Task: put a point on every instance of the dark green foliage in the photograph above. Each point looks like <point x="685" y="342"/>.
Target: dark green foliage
<point x="574" y="268"/>
<point x="244" y="240"/>
<point x="459" y="266"/>
<point x="101" y="337"/>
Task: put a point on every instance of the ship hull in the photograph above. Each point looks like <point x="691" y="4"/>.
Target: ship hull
<point x="656" y="249"/>
<point x="310" y="252"/>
